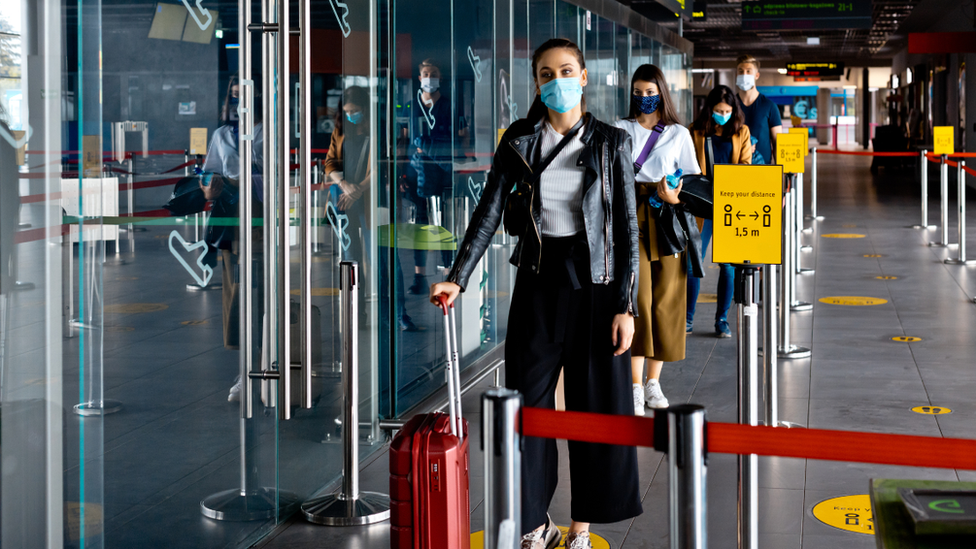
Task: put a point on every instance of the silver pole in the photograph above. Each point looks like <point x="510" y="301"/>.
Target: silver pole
<point x="503" y="467"/>
<point x="798" y="221"/>
<point x="282" y="214"/>
<point x="813" y="190"/>
<point x="748" y="404"/>
<point x="944" y="203"/>
<point x="130" y="229"/>
<point x="794" y="237"/>
<point x="924" y="178"/>
<point x="350" y="506"/>
<point x="961" y="222"/>
<point x="787" y="280"/>
<point x="770" y="362"/>
<point x="799" y="205"/>
<point x="687" y="479"/>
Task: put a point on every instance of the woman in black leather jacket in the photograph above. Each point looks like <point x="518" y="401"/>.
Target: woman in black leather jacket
<point x="575" y="291"/>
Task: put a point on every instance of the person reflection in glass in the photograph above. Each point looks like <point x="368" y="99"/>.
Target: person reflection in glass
<point x="431" y="160"/>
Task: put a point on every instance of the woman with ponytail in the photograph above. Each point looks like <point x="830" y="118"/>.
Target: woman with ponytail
<point x="662" y="147"/>
<point x="573" y="307"/>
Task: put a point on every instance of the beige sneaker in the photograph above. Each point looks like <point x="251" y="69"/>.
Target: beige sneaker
<point x="579" y="540"/>
<point x="546" y="538"/>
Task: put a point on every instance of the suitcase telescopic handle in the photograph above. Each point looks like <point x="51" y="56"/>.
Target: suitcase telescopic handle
<point x="453" y="369"/>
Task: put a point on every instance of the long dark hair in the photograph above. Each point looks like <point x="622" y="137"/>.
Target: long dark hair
<point x="356" y="96"/>
<point x="705" y="123"/>
<point x="652" y="74"/>
<point x="538" y="111"/>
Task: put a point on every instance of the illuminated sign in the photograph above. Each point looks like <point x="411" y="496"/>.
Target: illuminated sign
<point x="762" y="15"/>
<point x="814" y="69"/>
<point x="699" y="11"/>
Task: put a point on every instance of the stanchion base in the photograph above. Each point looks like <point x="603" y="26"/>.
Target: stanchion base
<point x="232" y="505"/>
<point x="335" y="510"/>
<point x="97" y="407"/>
<point x="814" y="217"/>
<point x="937" y="245"/>
<point x="793" y="351"/>
<point x="806" y="249"/>
<point x="807" y="230"/>
<point x="960" y="261"/>
<point x="801" y="306"/>
<point x="926" y="227"/>
<point x="199" y="288"/>
<point x="805" y="271"/>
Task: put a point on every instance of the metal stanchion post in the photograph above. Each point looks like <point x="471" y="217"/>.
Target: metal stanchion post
<point x="799" y="204"/>
<point x="770" y="362"/>
<point x="961" y="222"/>
<point x="748" y="404"/>
<point x="785" y="349"/>
<point x="502" y="447"/>
<point x="798" y="221"/>
<point x="813" y="190"/>
<point x="943" y="204"/>
<point x="350" y="506"/>
<point x="687" y="478"/>
<point x="924" y="178"/>
<point x="791" y="238"/>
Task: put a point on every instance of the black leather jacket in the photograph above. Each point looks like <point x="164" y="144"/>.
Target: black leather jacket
<point x="609" y="207"/>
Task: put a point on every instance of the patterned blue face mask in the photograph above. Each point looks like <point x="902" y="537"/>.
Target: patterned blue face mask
<point x="562" y="94"/>
<point x="646" y="104"/>
<point x="721" y="119"/>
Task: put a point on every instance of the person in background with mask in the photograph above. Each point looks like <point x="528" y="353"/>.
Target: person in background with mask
<point x="575" y="288"/>
<point x="721" y="121"/>
<point x="431" y="157"/>
<point x="658" y="336"/>
<point x="762" y="115"/>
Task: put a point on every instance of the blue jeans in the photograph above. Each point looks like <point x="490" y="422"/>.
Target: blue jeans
<point x="726" y="280"/>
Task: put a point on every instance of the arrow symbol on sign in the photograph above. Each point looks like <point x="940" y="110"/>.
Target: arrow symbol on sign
<point x="738" y="215"/>
<point x="755" y="215"/>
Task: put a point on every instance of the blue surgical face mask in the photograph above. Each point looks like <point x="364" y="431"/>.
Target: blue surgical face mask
<point x="646" y="104"/>
<point x="562" y="94"/>
<point x="721" y="119"/>
<point x="354" y="117"/>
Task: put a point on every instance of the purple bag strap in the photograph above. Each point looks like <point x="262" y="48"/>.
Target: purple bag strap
<point x="651" y="141"/>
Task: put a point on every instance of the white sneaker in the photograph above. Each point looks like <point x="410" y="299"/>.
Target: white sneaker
<point x="638" y="400"/>
<point x="653" y="396"/>
<point x="235" y="392"/>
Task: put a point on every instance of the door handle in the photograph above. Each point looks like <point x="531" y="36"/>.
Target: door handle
<point x="245" y="153"/>
<point x="283" y="214"/>
<point x="304" y="109"/>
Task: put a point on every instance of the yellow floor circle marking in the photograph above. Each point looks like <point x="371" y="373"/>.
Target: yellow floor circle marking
<point x="932" y="410"/>
<point x="319" y="292"/>
<point x="906" y="339"/>
<point x="707" y="298"/>
<point x="883" y="277"/>
<point x="94" y="519"/>
<point x="119" y="329"/>
<point x="195" y="322"/>
<point x="848" y="226"/>
<point x="873" y="255"/>
<point x="132" y="308"/>
<point x="478" y="539"/>
<point x="851" y="513"/>
<point x="843" y="235"/>
<point x="852" y="300"/>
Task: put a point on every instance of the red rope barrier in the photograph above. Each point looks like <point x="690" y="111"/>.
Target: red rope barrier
<point x="865" y="153"/>
<point x="731" y="438"/>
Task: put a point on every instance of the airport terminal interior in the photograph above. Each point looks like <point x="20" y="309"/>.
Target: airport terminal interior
<point x="190" y="197"/>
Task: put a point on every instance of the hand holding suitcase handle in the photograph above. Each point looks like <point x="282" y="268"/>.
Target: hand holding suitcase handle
<point x="444" y="290"/>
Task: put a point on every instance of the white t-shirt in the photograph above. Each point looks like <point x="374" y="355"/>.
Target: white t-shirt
<point x="674" y="149"/>
<point x="222" y="157"/>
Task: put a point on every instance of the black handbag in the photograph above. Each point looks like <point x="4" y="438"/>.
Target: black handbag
<point x="698" y="190"/>
<point x="518" y="206"/>
<point x="187" y="197"/>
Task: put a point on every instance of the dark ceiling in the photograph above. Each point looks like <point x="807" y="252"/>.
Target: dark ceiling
<point x="721" y="39"/>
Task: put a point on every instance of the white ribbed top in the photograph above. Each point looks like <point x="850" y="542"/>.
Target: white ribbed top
<point x="561" y="186"/>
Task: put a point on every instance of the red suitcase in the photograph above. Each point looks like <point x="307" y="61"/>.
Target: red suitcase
<point x="429" y="501"/>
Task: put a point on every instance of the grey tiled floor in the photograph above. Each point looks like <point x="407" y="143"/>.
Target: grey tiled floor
<point x="857" y="378"/>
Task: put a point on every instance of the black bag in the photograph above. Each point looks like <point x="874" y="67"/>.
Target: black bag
<point x="187" y="197"/>
<point x="518" y="206"/>
<point x="698" y="190"/>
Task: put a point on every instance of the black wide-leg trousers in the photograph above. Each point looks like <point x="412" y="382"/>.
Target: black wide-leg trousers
<point x="560" y="319"/>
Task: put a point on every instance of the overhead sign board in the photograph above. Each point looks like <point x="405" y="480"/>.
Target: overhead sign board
<point x="748" y="214"/>
<point x="762" y="15"/>
<point x="699" y="11"/>
<point x="815" y="69"/>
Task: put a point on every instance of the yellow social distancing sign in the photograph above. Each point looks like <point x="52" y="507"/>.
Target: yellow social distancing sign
<point x="799" y="130"/>
<point x="790" y="149"/>
<point x="944" y="140"/>
<point x="747" y="216"/>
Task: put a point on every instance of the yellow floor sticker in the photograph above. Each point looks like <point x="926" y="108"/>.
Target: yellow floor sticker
<point x="707" y="298"/>
<point x="886" y="277"/>
<point x="851" y="513"/>
<point x="873" y="255"/>
<point x="848" y="226"/>
<point x="132" y="308"/>
<point x="852" y="300"/>
<point x="843" y="235"/>
<point x="932" y="410"/>
<point x="906" y="339"/>
<point x="318" y="292"/>
<point x="478" y="539"/>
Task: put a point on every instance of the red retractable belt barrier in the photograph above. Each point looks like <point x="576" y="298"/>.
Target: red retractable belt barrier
<point x="732" y="438"/>
<point x="865" y="153"/>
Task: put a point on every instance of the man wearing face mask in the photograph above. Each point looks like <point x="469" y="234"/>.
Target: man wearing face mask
<point x="431" y="159"/>
<point x="762" y="115"/>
